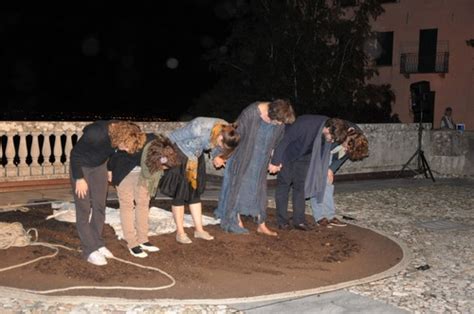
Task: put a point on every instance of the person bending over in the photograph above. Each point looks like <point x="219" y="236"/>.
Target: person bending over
<point x="186" y="183"/>
<point x="135" y="177"/>
<point x="354" y="148"/>
<point x="88" y="175"/>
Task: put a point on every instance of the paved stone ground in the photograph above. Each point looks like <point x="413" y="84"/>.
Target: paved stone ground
<point x="435" y="220"/>
<point x="448" y="285"/>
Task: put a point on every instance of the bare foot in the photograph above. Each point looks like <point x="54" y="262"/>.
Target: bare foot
<point x="241" y="225"/>
<point x="263" y="229"/>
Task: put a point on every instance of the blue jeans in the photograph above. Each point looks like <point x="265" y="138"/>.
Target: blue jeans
<point x="326" y="209"/>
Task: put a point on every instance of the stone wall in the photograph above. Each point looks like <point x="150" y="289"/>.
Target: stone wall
<point x="25" y="145"/>
<point x="448" y="152"/>
<point x="452" y="153"/>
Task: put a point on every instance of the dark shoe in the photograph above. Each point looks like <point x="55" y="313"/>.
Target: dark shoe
<point x="324" y="222"/>
<point x="337" y="223"/>
<point x="138" y="252"/>
<point x="284" y="227"/>
<point x="302" y="227"/>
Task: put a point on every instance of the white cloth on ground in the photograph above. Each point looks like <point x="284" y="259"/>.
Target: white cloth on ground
<point x="160" y="220"/>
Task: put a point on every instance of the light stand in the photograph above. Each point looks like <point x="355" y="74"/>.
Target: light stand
<point x="422" y="164"/>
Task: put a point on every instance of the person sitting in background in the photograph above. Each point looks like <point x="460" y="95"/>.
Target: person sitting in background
<point x="135" y="177"/>
<point x="447" y="121"/>
<point x="355" y="147"/>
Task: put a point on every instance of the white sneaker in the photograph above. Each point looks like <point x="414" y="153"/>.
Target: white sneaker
<point x="105" y="251"/>
<point x="97" y="258"/>
<point x="147" y="246"/>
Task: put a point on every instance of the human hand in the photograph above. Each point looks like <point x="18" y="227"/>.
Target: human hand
<point x="330" y="176"/>
<point x="218" y="162"/>
<point x="81" y="188"/>
<point x="109" y="176"/>
<point x="272" y="169"/>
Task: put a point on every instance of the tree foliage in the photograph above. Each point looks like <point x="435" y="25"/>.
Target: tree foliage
<point x="308" y="51"/>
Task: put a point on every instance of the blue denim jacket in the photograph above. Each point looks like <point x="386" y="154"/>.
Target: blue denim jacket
<point x="195" y="137"/>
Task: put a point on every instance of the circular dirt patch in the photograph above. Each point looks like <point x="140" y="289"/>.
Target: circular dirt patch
<point x="231" y="266"/>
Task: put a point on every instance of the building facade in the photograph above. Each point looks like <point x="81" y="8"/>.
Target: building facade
<point x="425" y="50"/>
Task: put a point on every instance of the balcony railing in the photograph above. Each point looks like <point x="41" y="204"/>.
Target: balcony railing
<point x="412" y="63"/>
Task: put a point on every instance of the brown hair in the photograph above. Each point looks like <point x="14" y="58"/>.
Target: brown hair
<point x="281" y="110"/>
<point x="161" y="153"/>
<point x="357" y="145"/>
<point x="230" y="139"/>
<point x="337" y="128"/>
<point x="127" y="133"/>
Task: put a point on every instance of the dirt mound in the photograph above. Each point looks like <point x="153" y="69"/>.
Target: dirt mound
<point x="230" y="266"/>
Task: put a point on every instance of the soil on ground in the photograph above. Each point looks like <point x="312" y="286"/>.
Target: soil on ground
<point x="230" y="266"/>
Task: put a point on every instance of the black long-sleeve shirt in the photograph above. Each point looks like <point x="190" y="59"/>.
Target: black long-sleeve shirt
<point x="121" y="162"/>
<point x="93" y="148"/>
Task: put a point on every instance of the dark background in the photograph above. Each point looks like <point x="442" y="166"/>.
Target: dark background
<point x="144" y="59"/>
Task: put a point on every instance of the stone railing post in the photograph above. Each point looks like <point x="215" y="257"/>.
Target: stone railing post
<point x="57" y="165"/>
<point x="46" y="152"/>
<point x="23" y="168"/>
<point x="35" y="167"/>
<point x="10" y="168"/>
<point x="67" y="150"/>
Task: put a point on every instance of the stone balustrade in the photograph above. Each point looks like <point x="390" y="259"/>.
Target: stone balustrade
<point x="40" y="150"/>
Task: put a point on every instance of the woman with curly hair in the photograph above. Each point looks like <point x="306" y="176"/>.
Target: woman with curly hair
<point x="88" y="175"/>
<point x="186" y="183"/>
<point x="355" y="147"/>
<point x="135" y="177"/>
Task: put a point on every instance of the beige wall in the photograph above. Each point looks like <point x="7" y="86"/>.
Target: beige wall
<point x="454" y="20"/>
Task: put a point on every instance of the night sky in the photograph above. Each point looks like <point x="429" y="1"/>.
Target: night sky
<point x="141" y="58"/>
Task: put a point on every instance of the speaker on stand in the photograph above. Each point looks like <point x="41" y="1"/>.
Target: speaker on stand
<point x="422" y="100"/>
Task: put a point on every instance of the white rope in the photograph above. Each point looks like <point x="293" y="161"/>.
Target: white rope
<point x="173" y="282"/>
<point x="12" y="208"/>
<point x="13" y="234"/>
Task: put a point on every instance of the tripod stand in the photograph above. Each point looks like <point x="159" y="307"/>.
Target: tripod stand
<point x="422" y="164"/>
